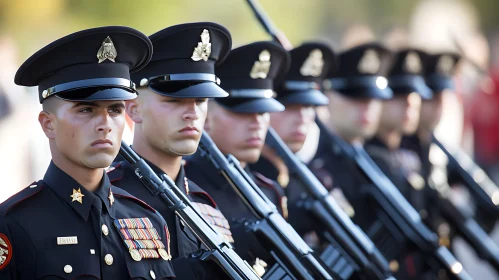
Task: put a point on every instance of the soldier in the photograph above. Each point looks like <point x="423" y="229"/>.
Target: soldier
<point x="74" y="223"/>
<point x="299" y="92"/>
<point x="169" y="116"/>
<point x="238" y="125"/>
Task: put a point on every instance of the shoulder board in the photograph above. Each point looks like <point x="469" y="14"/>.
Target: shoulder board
<point x="198" y="191"/>
<point x="19" y="197"/>
<point x="118" y="192"/>
<point x="116" y="171"/>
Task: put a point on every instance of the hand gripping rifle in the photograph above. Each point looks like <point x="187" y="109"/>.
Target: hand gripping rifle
<point x="360" y="252"/>
<point x="294" y="258"/>
<point x="219" y="251"/>
<point x="398" y="219"/>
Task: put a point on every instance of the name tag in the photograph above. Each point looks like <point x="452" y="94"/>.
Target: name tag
<point x="68" y="240"/>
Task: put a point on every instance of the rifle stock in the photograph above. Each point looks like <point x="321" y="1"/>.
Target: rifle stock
<point x="220" y="251"/>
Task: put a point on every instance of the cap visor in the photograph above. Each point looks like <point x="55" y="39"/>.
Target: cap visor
<point x="424" y="91"/>
<point x="187" y="90"/>
<point x="441" y="84"/>
<point x="252" y="105"/>
<point x="309" y="97"/>
<point x="368" y="92"/>
<point x="97" y="93"/>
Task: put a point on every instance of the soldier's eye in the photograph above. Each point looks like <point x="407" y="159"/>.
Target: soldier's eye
<point x="86" y="110"/>
<point x="116" y="110"/>
<point x="201" y="100"/>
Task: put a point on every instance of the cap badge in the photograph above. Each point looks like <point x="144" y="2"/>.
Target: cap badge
<point x="261" y="67"/>
<point x="107" y="51"/>
<point x="412" y="63"/>
<point x="77" y="196"/>
<point x="369" y="63"/>
<point x="313" y="65"/>
<point x="203" y="50"/>
<point x="445" y="64"/>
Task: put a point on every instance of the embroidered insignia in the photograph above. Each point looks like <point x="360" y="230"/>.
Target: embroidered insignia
<point x="259" y="267"/>
<point x="313" y="64"/>
<point x="445" y="64"/>
<point x="369" y="63"/>
<point x="412" y="63"/>
<point x="261" y="67"/>
<point x="5" y="251"/>
<point x="107" y="51"/>
<point x="216" y="219"/>
<point x="142" y="239"/>
<point x="77" y="196"/>
<point x="111" y="197"/>
<point x="203" y="50"/>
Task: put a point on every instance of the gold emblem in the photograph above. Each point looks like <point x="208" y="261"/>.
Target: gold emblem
<point x="313" y="64"/>
<point x="203" y="50"/>
<point x="5" y="251"/>
<point x="369" y="63"/>
<point x="77" y="196"/>
<point x="284" y="206"/>
<point x="394" y="266"/>
<point x="412" y="63"/>
<point x="164" y="254"/>
<point x="107" y="51"/>
<point x="111" y="197"/>
<point x="261" y="67"/>
<point x="416" y="181"/>
<point x="445" y="64"/>
<point x="68" y="269"/>
<point x="259" y="267"/>
<point x="283" y="179"/>
<point x="108" y="259"/>
<point x="343" y="202"/>
<point x="135" y="255"/>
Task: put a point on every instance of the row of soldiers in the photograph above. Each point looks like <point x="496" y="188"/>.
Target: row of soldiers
<point x="81" y="222"/>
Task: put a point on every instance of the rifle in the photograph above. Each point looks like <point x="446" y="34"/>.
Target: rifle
<point x="294" y="257"/>
<point x="483" y="189"/>
<point x="360" y="252"/>
<point x="401" y="219"/>
<point x="218" y="251"/>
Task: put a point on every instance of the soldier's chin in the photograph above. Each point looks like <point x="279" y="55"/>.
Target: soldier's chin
<point x="249" y="156"/>
<point x="98" y="161"/>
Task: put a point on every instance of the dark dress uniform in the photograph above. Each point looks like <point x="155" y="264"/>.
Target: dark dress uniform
<point x="247" y="75"/>
<point x="55" y="228"/>
<point x="183" y="66"/>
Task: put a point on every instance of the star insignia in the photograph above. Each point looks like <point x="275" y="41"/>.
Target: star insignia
<point x="77" y="196"/>
<point x="111" y="197"/>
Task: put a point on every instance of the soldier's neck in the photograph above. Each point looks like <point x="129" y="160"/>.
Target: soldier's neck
<point x="168" y="163"/>
<point x="89" y="178"/>
<point x="425" y="135"/>
<point x="390" y="138"/>
<point x="276" y="161"/>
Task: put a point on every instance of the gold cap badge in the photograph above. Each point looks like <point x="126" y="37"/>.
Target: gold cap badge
<point x="107" y="51"/>
<point x="203" y="50"/>
<point x="445" y="64"/>
<point x="261" y="67"/>
<point x="111" y="197"/>
<point x="369" y="63"/>
<point x="412" y="63"/>
<point x="77" y="196"/>
<point x="313" y="65"/>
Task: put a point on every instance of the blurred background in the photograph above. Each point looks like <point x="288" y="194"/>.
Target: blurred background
<point x="470" y="27"/>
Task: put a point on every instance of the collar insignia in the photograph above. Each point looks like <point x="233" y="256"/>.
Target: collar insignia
<point x="261" y="67"/>
<point x="111" y="197"/>
<point x="313" y="64"/>
<point x="203" y="50"/>
<point x="107" y="51"/>
<point x="77" y="196"/>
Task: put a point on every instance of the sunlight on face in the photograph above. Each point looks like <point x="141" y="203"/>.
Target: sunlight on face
<point x="293" y="124"/>
<point x="431" y="112"/>
<point x="401" y="114"/>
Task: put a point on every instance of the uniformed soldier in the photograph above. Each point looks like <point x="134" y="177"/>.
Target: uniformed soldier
<point x="169" y="115"/>
<point x="238" y="125"/>
<point x="300" y="92"/>
<point x="356" y="91"/>
<point x="74" y="223"/>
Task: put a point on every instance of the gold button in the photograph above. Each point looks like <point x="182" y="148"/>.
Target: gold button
<point x="108" y="259"/>
<point x="105" y="230"/>
<point x="153" y="276"/>
<point x="394" y="266"/>
<point x="68" y="269"/>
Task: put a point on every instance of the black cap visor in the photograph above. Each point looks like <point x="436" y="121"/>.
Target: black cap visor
<point x="438" y="83"/>
<point x="251" y="105"/>
<point x="311" y="97"/>
<point x="402" y="85"/>
<point x="375" y="87"/>
<point x="185" y="89"/>
<point x="97" y="94"/>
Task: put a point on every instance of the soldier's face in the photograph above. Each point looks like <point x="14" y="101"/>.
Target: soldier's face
<point x="431" y="112"/>
<point x="166" y="124"/>
<point x="401" y="114"/>
<point x="354" y="118"/>
<point x="239" y="134"/>
<point x="293" y="124"/>
<point x="87" y="134"/>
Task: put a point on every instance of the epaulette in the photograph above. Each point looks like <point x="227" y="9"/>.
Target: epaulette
<point x="118" y="192"/>
<point x="19" y="197"/>
<point x="196" y="190"/>
<point x="116" y="171"/>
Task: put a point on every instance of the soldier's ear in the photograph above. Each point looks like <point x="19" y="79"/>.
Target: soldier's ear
<point x="207" y="123"/>
<point x="46" y="120"/>
<point x="133" y="110"/>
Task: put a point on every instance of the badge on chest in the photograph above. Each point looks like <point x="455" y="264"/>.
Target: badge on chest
<point x="142" y="239"/>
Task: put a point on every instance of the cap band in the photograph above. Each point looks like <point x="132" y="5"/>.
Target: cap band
<point x="252" y="93"/>
<point x="180" y="77"/>
<point x="299" y="85"/>
<point x="99" y="82"/>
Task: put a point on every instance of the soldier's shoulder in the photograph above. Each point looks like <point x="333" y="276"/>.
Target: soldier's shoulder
<point x="200" y="194"/>
<point x="120" y="193"/>
<point x="21" y="198"/>
<point x="116" y="171"/>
